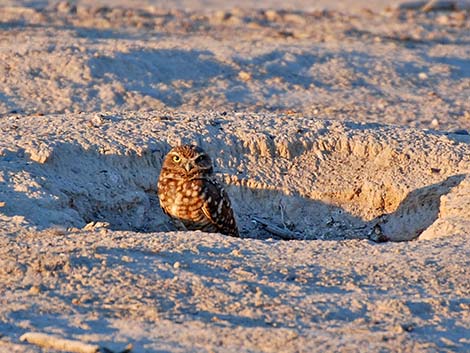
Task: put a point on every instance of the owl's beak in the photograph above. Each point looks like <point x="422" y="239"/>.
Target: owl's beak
<point x="188" y="166"/>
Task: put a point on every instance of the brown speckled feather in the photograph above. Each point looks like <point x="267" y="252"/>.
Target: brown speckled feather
<point x="191" y="196"/>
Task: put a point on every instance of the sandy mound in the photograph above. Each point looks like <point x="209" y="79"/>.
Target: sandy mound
<point x="316" y="179"/>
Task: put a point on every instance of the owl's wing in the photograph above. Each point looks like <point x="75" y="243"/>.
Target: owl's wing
<point x="218" y="210"/>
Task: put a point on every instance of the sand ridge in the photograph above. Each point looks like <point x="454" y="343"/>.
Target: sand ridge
<point x="318" y="176"/>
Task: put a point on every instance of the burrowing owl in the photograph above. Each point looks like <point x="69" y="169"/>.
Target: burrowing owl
<point x="191" y="196"/>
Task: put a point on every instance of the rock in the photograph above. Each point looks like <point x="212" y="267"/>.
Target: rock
<point x="271" y="15"/>
<point x="34" y="290"/>
<point x="244" y="76"/>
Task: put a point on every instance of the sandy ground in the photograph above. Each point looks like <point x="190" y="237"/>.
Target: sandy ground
<point x="345" y="125"/>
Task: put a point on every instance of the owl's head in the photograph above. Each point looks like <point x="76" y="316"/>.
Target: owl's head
<point x="188" y="161"/>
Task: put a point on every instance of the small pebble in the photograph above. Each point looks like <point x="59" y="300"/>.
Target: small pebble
<point x="66" y="7"/>
<point x="423" y="76"/>
<point x="177" y="265"/>
<point x="442" y="20"/>
<point x="461" y="16"/>
<point x="222" y="15"/>
<point x="34" y="290"/>
<point x="294" y="18"/>
<point x="244" y="76"/>
<point x="271" y="15"/>
<point x="98" y="119"/>
<point x="236" y="252"/>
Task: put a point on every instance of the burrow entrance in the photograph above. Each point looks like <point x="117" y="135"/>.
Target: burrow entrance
<point x="329" y="191"/>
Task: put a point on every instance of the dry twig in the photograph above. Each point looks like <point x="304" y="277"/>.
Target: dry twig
<point x="285" y="234"/>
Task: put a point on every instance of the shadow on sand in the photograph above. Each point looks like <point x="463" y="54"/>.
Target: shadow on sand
<point x="120" y="190"/>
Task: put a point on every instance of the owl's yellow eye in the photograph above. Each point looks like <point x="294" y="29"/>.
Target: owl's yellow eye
<point x="176" y="159"/>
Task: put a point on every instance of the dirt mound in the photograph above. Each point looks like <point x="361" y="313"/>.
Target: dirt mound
<point x="314" y="179"/>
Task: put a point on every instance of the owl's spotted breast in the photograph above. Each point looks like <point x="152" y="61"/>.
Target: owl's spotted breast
<point x="191" y="196"/>
<point x="181" y="198"/>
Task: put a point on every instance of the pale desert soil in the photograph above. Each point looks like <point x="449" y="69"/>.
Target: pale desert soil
<point x="343" y="125"/>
